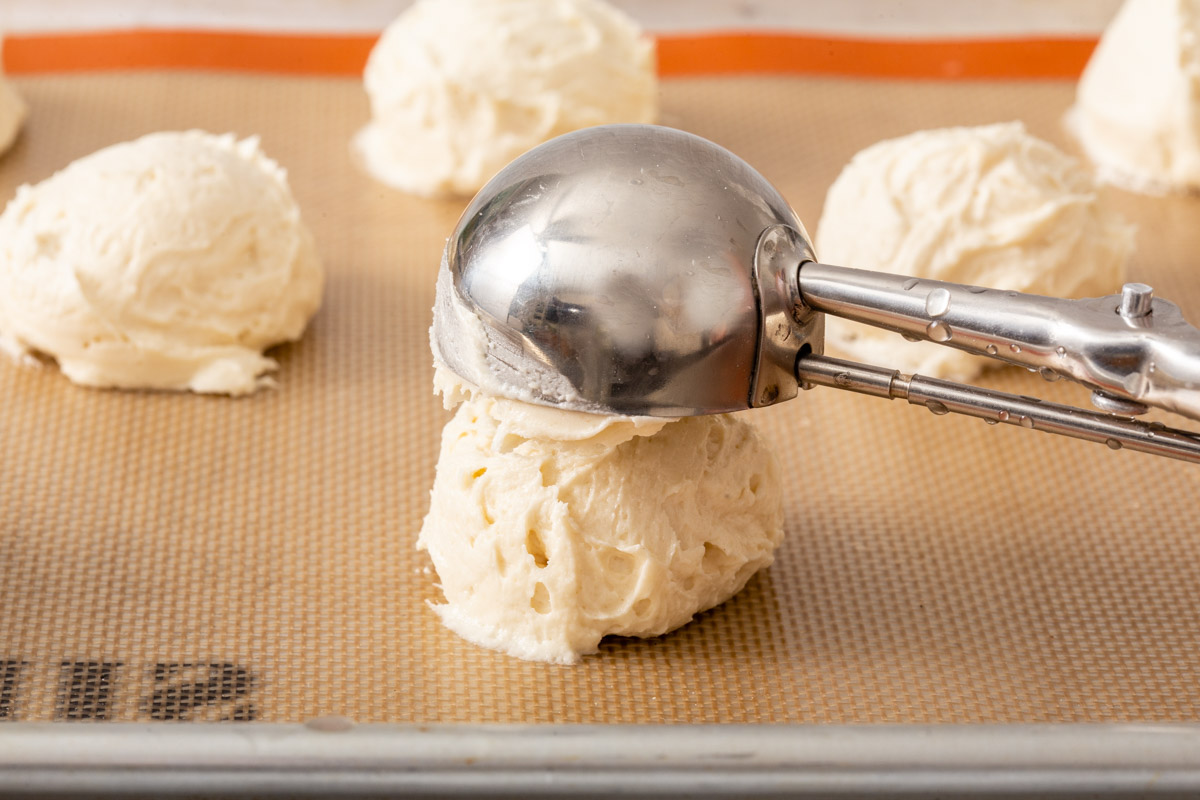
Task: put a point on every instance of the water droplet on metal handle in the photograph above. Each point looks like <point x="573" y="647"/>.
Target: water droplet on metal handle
<point x="937" y="303"/>
<point x="939" y="331"/>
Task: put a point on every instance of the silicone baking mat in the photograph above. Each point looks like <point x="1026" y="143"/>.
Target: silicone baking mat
<point x="178" y="557"/>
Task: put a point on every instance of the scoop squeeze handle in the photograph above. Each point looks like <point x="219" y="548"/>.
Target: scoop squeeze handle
<point x="1133" y="350"/>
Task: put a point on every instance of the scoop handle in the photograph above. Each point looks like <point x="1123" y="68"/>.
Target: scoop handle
<point x="945" y="397"/>
<point x="1133" y="350"/>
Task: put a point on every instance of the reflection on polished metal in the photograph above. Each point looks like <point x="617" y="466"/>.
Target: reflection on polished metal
<point x="1118" y="405"/>
<point x="649" y="271"/>
<point x="622" y="258"/>
<point x="1137" y="300"/>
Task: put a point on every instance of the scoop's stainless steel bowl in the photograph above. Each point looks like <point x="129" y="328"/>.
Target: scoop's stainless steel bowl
<point x="622" y="259"/>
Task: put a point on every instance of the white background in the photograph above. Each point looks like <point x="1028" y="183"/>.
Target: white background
<point x="847" y="17"/>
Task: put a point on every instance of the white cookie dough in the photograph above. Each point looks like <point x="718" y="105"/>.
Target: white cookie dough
<point x="169" y="262"/>
<point x="989" y="206"/>
<point x="12" y="113"/>
<point x="459" y="88"/>
<point x="1137" y="112"/>
<point x="551" y="529"/>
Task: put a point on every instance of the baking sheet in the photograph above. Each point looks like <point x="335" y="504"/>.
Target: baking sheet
<point x="176" y="557"/>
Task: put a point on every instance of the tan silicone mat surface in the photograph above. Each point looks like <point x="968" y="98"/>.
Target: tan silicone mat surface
<point x="178" y="557"/>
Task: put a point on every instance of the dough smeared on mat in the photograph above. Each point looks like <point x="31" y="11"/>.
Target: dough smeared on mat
<point x="459" y="88"/>
<point x="552" y="529"/>
<point x="1137" y="113"/>
<point x="990" y="206"/>
<point x="169" y="262"/>
<point x="12" y="113"/>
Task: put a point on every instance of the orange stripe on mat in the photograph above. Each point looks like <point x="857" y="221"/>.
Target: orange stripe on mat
<point x="717" y="54"/>
<point x="813" y="55"/>
<point x="204" y="50"/>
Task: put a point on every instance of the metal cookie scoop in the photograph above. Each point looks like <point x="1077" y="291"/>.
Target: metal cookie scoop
<point x="640" y="270"/>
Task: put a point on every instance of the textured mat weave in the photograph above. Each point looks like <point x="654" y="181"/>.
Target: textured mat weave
<point x="178" y="557"/>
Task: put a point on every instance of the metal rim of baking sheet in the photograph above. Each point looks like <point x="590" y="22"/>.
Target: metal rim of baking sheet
<point x="333" y="757"/>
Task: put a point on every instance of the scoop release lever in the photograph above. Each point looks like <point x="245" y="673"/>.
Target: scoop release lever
<point x="1132" y="350"/>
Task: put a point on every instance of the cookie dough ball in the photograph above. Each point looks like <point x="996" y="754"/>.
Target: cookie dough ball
<point x="12" y="113"/>
<point x="552" y="529"/>
<point x="459" y="88"/>
<point x="1137" y="113"/>
<point x="170" y="262"/>
<point x="989" y="206"/>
